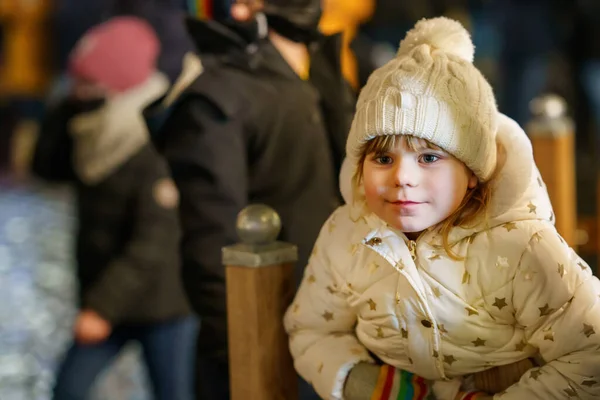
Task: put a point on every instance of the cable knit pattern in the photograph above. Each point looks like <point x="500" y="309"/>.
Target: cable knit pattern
<point x="432" y="90"/>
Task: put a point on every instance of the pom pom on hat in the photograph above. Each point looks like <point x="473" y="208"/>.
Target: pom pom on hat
<point x="441" y="33"/>
<point x="431" y="90"/>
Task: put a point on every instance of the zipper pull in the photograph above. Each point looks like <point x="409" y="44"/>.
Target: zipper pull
<point x="412" y="247"/>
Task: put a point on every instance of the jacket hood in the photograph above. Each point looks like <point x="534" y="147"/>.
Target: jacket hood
<point x="518" y="191"/>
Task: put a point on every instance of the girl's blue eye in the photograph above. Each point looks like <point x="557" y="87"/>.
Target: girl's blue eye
<point x="384" y="160"/>
<point x="429" y="158"/>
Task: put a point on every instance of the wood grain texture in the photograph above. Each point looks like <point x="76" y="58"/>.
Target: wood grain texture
<point x="261" y="367"/>
<point x="498" y="379"/>
<point x="554" y="157"/>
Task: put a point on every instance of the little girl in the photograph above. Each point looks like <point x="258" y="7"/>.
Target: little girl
<point x="445" y="261"/>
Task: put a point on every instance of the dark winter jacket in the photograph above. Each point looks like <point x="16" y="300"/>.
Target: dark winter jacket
<point x="249" y="130"/>
<point x="127" y="248"/>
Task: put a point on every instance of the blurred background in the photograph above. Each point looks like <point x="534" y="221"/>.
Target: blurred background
<point x="526" y="48"/>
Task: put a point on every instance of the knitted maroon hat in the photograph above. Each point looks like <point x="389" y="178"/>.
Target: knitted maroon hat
<point x="118" y="54"/>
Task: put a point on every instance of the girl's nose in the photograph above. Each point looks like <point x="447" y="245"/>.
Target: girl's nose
<point x="406" y="173"/>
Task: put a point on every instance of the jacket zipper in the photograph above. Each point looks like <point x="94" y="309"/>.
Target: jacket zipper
<point x="412" y="247"/>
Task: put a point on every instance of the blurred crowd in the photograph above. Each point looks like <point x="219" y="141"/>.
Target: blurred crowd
<point x="524" y="47"/>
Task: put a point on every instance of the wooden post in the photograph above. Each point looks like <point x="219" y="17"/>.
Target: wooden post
<point x="260" y="287"/>
<point x="553" y="139"/>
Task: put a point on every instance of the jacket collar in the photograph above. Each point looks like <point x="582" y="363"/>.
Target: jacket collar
<point x="212" y="37"/>
<point x="240" y="45"/>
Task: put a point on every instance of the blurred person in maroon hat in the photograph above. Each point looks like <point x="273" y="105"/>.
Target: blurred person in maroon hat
<point x="128" y="262"/>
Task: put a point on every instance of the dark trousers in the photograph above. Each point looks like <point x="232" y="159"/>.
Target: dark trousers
<point x="168" y="349"/>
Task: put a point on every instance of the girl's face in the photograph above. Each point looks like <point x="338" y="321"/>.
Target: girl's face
<point x="413" y="188"/>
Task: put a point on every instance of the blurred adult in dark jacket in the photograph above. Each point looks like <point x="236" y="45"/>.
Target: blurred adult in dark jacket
<point x="265" y="122"/>
<point x="128" y="238"/>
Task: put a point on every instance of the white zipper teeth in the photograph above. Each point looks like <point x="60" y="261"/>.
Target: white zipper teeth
<point x="423" y="297"/>
<point x="412" y="248"/>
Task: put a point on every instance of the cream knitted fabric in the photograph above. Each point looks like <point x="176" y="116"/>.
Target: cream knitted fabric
<point x="432" y="90"/>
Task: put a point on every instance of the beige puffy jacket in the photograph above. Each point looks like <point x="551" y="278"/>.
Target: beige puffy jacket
<point x="519" y="292"/>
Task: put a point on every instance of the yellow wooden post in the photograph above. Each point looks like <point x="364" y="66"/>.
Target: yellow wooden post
<point x="553" y="139"/>
<point x="260" y="287"/>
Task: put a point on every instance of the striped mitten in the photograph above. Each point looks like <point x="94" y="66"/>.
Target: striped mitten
<point x="374" y="382"/>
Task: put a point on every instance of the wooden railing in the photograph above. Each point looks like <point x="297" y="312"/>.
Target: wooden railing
<point x="260" y="287"/>
<point x="553" y="138"/>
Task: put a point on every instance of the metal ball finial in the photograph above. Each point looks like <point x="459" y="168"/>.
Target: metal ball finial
<point x="258" y="224"/>
<point x="548" y="106"/>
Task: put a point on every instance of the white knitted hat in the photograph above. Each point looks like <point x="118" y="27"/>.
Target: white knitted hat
<point x="432" y="90"/>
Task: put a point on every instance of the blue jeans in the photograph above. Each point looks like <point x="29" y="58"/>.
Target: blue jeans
<point x="168" y="350"/>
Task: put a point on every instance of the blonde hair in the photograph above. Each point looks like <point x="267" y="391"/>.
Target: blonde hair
<point x="473" y="207"/>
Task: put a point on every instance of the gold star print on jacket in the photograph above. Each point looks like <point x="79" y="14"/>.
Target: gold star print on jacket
<point x="518" y="292"/>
